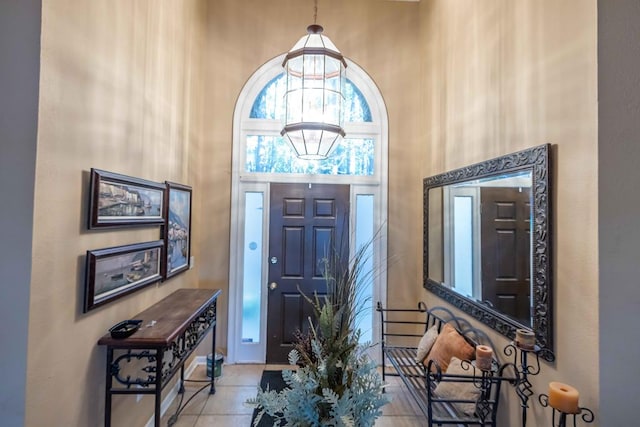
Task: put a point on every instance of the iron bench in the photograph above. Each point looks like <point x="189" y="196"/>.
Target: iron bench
<point x="401" y="333"/>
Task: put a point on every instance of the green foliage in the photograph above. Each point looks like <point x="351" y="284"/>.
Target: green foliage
<point x="336" y="383"/>
<point x="308" y="400"/>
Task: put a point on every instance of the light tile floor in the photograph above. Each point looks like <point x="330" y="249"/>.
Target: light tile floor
<point x="239" y="382"/>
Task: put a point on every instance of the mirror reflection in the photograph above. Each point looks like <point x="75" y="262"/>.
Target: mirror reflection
<point x="487" y="242"/>
<point x="479" y="241"/>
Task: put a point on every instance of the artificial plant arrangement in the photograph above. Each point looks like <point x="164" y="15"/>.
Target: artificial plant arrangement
<point x="336" y="383"/>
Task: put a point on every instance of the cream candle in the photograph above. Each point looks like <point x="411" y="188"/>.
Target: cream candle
<point x="525" y="339"/>
<point x="563" y="397"/>
<point x="484" y="357"/>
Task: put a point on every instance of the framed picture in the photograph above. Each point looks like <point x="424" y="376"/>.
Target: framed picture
<point x="120" y="200"/>
<point x="177" y="230"/>
<point x="115" y="272"/>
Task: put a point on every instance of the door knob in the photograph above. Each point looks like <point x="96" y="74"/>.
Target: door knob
<point x="273" y="285"/>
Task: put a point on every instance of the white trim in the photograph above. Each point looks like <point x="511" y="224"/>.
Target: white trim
<point x="173" y="392"/>
<point x="242" y="182"/>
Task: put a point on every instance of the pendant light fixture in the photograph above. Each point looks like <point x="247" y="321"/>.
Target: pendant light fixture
<point x="315" y="74"/>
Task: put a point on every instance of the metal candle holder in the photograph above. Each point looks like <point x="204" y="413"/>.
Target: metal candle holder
<point x="559" y="418"/>
<point x="523" y="369"/>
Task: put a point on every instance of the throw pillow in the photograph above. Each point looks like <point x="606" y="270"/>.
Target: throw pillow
<point x="426" y="342"/>
<point x="459" y="390"/>
<point x="448" y="344"/>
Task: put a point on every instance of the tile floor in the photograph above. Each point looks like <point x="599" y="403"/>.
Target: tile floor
<point x="239" y="382"/>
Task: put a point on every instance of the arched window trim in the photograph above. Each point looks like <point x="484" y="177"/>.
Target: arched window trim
<point x="242" y="182"/>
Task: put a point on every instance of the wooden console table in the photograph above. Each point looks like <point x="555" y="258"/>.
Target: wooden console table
<point x="145" y="362"/>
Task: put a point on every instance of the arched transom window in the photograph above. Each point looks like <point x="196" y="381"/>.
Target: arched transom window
<point x="272" y="154"/>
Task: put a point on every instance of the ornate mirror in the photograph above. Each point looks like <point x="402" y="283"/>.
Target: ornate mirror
<point x="487" y="231"/>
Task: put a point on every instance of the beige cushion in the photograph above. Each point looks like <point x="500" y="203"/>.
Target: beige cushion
<point x="459" y="390"/>
<point x="426" y="342"/>
<point x="448" y="344"/>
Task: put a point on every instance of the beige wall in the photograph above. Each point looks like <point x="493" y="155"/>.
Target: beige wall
<point x="245" y="35"/>
<point x="148" y="88"/>
<point x="504" y="76"/>
<point x="121" y="90"/>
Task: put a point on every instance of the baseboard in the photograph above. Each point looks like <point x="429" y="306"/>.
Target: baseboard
<point x="173" y="392"/>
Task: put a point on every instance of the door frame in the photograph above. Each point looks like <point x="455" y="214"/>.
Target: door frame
<point x="236" y="265"/>
<point x="310" y="281"/>
<point x="241" y="182"/>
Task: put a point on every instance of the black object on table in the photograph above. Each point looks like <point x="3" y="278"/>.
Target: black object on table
<point x="125" y="328"/>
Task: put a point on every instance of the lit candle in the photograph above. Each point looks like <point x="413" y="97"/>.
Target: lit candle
<point x="525" y="339"/>
<point x="563" y="397"/>
<point x="484" y="356"/>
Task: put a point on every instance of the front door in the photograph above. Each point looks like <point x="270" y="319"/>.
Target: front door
<point x="506" y="250"/>
<point x="306" y="221"/>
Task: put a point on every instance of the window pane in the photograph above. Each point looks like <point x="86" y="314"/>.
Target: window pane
<point x="364" y="235"/>
<point x="270" y="154"/>
<point x="269" y="104"/>
<point x="463" y="245"/>
<point x="356" y="108"/>
<point x="252" y="277"/>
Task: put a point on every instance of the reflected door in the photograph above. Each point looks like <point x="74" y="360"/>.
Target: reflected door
<point x="506" y="250"/>
<point x="306" y="221"/>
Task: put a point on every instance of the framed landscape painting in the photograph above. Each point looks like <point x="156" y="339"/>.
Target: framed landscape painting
<point x="120" y="200"/>
<point x="177" y="230"/>
<point x="114" y="272"/>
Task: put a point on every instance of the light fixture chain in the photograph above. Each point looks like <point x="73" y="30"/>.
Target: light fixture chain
<point x="315" y="11"/>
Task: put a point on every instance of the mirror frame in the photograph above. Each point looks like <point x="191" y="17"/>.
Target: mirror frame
<point x="536" y="159"/>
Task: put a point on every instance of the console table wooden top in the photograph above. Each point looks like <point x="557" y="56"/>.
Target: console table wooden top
<point x="172" y="315"/>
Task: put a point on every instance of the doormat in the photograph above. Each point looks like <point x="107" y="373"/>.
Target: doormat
<point x="275" y="382"/>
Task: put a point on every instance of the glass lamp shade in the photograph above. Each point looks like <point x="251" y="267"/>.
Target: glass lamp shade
<point x="315" y="74"/>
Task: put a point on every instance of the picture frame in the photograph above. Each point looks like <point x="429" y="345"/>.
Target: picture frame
<point x="177" y="229"/>
<point x="118" y="200"/>
<point x="112" y="273"/>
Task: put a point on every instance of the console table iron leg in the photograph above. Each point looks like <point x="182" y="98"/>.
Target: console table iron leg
<point x="108" y="384"/>
<point x="158" y="394"/>
<point x="181" y="388"/>
<point x="213" y="362"/>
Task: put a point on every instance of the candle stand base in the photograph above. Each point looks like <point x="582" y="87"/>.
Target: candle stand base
<point x="563" y="419"/>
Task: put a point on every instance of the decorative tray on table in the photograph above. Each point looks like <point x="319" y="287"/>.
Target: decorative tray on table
<point x="125" y="328"/>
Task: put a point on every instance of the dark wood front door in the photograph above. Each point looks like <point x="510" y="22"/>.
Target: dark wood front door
<point x="506" y="250"/>
<point x="306" y="221"/>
